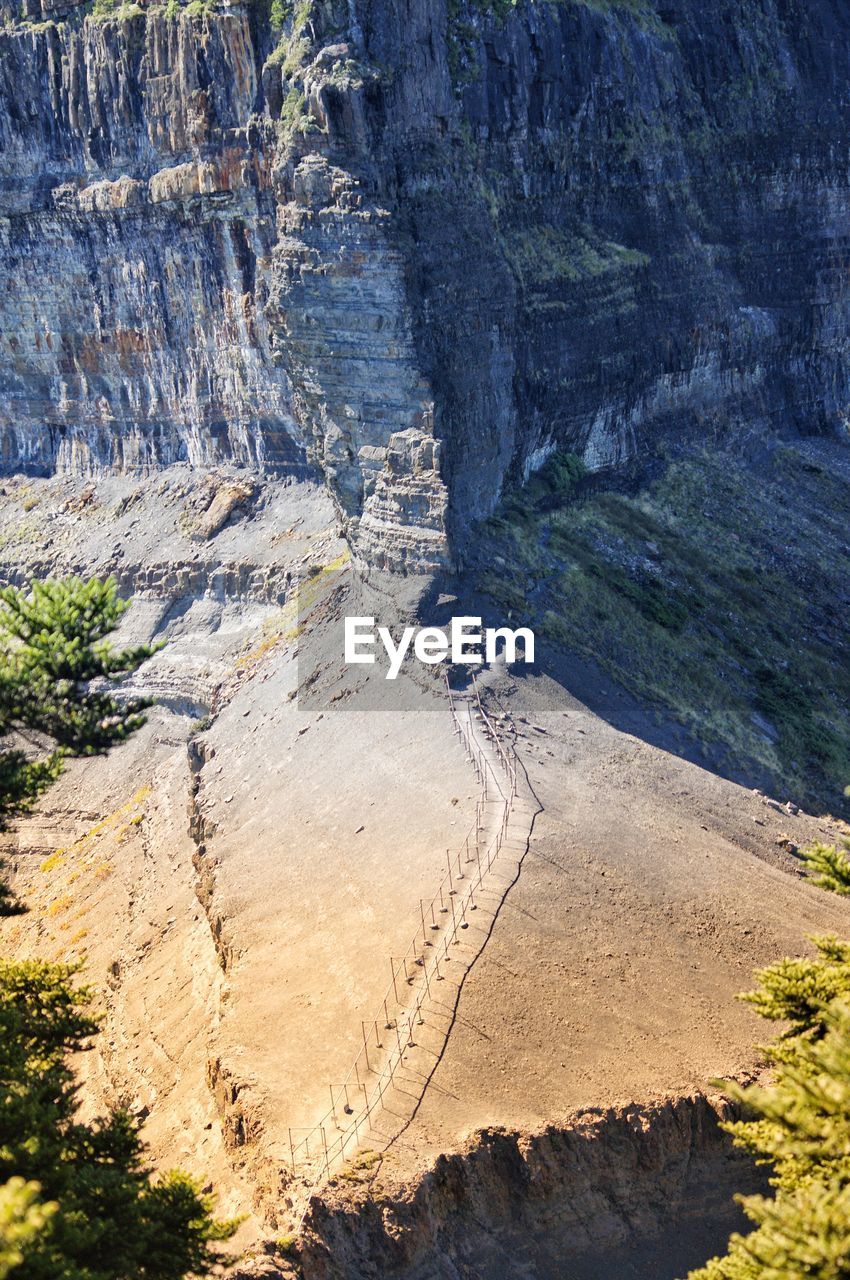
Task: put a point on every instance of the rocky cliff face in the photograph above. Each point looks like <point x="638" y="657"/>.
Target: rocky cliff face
<point x="419" y="242"/>
<point x="631" y="1191"/>
<point x="138" y="224"/>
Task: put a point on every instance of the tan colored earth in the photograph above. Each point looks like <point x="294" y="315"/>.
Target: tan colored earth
<point x="237" y="961"/>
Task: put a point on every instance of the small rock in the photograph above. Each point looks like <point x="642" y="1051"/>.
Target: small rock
<point x="359" y="829"/>
<point x="765" y="727"/>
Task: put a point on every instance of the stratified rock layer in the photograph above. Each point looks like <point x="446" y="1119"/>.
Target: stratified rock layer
<point x="418" y="246"/>
<point x="610" y="1194"/>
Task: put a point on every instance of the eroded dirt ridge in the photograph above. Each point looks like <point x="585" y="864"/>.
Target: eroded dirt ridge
<point x="622" y="1192"/>
<point x="404" y="1042"/>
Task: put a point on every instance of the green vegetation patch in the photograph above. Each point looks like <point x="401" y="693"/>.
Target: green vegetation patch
<point x="288" y="20"/>
<point x="540" y="256"/>
<point x="113" y="10"/>
<point x="123" y="10"/>
<point x="641" y="12"/>
<point x="713" y="594"/>
<point x="295" y="115"/>
<point x="798" y="1125"/>
<point x="828" y="866"/>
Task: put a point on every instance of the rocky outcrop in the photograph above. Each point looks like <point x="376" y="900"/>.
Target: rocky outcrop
<point x="633" y="222"/>
<point x="137" y="229"/>
<point x="420" y="244"/>
<point x="341" y="324"/>
<point x="513" y="1204"/>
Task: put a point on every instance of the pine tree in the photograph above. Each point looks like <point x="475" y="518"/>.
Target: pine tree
<point x="104" y="1218"/>
<point x="799" y="1125"/>
<point x="23" y="1216"/>
<point x="57" y="678"/>
<point x="799" y="990"/>
<point x="76" y="1200"/>
<point x="828" y="866"/>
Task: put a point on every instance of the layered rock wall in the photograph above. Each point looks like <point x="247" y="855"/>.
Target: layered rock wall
<point x="137" y="231"/>
<point x="634" y="223"/>
<point x="420" y="244"/>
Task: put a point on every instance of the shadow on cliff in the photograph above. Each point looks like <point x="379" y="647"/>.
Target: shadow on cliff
<point x="584" y="680"/>
<point x="696" y="602"/>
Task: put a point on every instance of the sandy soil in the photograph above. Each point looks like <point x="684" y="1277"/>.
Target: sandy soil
<point x="329" y="835"/>
<point x="651" y="892"/>
<point x="257" y="871"/>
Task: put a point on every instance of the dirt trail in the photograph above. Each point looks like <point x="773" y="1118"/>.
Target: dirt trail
<point x="405" y="1042"/>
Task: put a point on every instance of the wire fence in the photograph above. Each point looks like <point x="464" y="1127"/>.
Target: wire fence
<point x="415" y="977"/>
